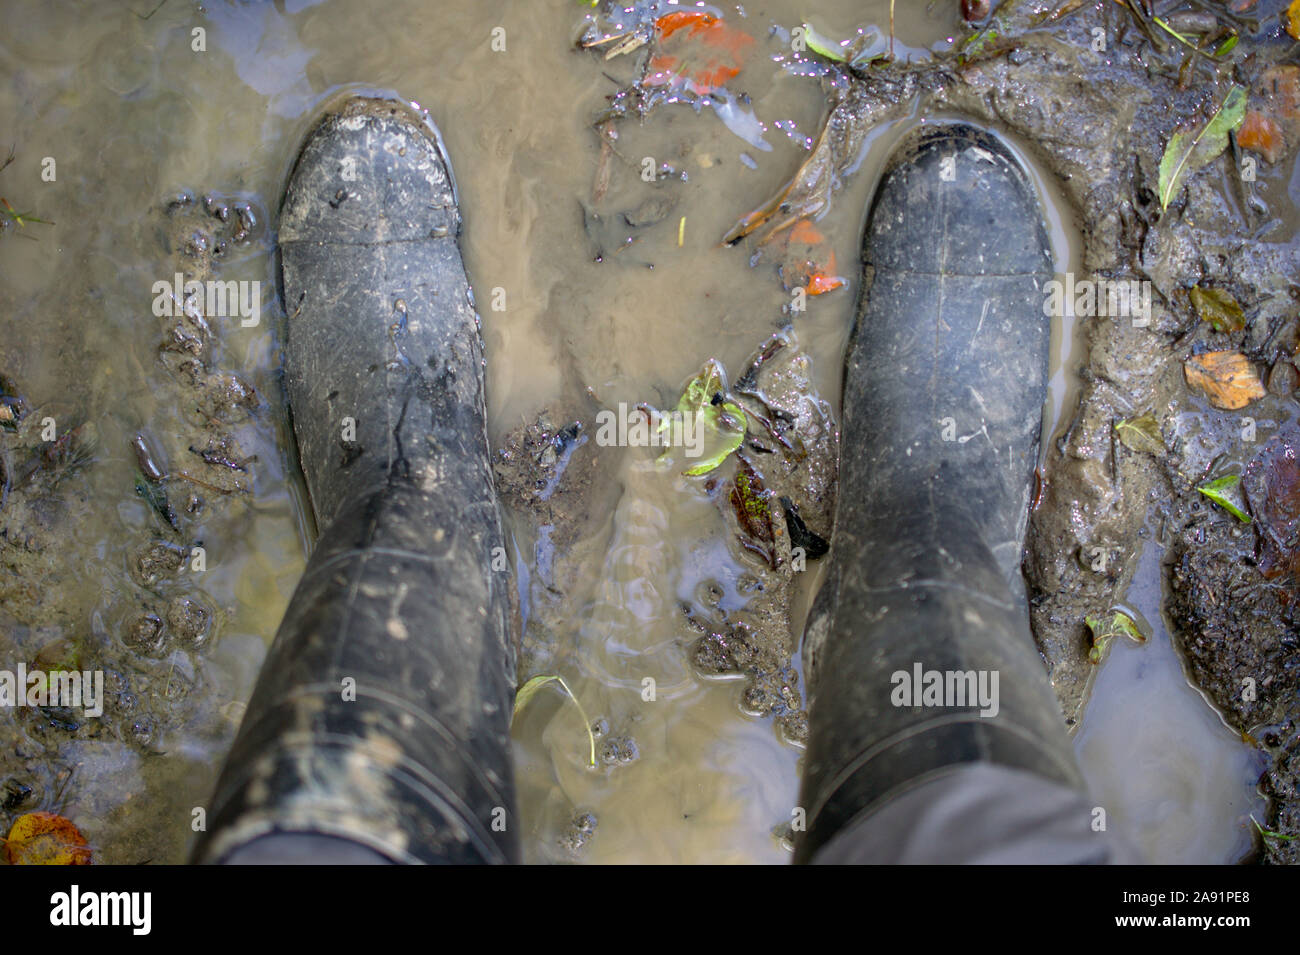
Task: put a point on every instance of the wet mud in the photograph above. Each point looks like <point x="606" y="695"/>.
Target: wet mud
<point x="1098" y="119"/>
<point x="1099" y="116"/>
<point x="151" y="626"/>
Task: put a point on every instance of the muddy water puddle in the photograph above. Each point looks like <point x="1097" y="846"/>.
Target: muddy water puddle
<point x="133" y="113"/>
<point x="1175" y="779"/>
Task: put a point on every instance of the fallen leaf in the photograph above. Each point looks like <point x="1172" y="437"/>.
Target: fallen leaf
<point x="1188" y="151"/>
<point x="1272" y="126"/>
<point x="812" y="544"/>
<point x="1102" y="631"/>
<point x="752" y="502"/>
<point x="808" y="261"/>
<point x="1272" y="488"/>
<point x="1141" y="434"/>
<point x="1221" y="491"/>
<point x="1228" y="379"/>
<point x="723" y="423"/>
<point x="44" y="838"/>
<point x="697" y="51"/>
<point x="823" y="46"/>
<point x="1293" y="19"/>
<point x="529" y="690"/>
<point x="863" y="50"/>
<point x="1262" y="135"/>
<point x="1219" y="308"/>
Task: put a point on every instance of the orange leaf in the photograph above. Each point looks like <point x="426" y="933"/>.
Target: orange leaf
<point x="697" y="51"/>
<point x="43" y="838"/>
<point x="801" y="264"/>
<point x="1293" y="19"/>
<point x="820" y="282"/>
<point x="1228" y="379"/>
<point x="805" y="231"/>
<point x="1261" y="134"/>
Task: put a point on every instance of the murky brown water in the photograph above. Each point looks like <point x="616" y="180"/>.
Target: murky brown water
<point x="132" y="113"/>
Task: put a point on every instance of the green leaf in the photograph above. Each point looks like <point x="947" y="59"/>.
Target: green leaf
<point x="1227" y="45"/>
<point x="1104" y="631"/>
<point x="822" y="46"/>
<point x="529" y="690"/>
<point x="1141" y="434"/>
<point x="1219" y="491"/>
<point x="1124" y="624"/>
<point x="723" y="422"/>
<point x="977" y="43"/>
<point x="1219" y="308"/>
<point x="1269" y="833"/>
<point x="1187" y="153"/>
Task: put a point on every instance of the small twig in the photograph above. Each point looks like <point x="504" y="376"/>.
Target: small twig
<point x="891" y="30"/>
<point x="211" y="487"/>
<point x="151" y="12"/>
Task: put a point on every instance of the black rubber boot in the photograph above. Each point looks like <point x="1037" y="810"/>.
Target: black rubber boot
<point x="945" y="382"/>
<point x="379" y="728"/>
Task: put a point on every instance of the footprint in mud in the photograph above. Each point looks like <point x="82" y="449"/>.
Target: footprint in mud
<point x="147" y="629"/>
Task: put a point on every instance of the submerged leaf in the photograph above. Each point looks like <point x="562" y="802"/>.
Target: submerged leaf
<point x="1228" y="378"/>
<point x="822" y="46"/>
<point x="44" y="838"/>
<point x="1221" y="491"/>
<point x="721" y="422"/>
<point x="1188" y="152"/>
<point x="529" y="690"/>
<point x="696" y="50"/>
<point x="1263" y="135"/>
<point x="1103" y="631"/>
<point x="808" y="261"/>
<point x="861" y="51"/>
<point x="1141" y="434"/>
<point x="1293" y="19"/>
<point x="1219" y="308"/>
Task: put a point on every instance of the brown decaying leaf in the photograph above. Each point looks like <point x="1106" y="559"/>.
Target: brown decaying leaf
<point x="1272" y="489"/>
<point x="1228" y="378"/>
<point x="44" y="838"/>
<point x="1261" y="134"/>
<point x="1272" y="124"/>
<point x="1219" y="308"/>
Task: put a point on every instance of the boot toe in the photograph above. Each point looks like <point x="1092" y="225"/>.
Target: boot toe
<point x="955" y="201"/>
<point x="372" y="171"/>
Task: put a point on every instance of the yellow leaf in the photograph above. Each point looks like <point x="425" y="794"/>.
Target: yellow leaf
<point x="1293" y="19"/>
<point x="44" y="838"/>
